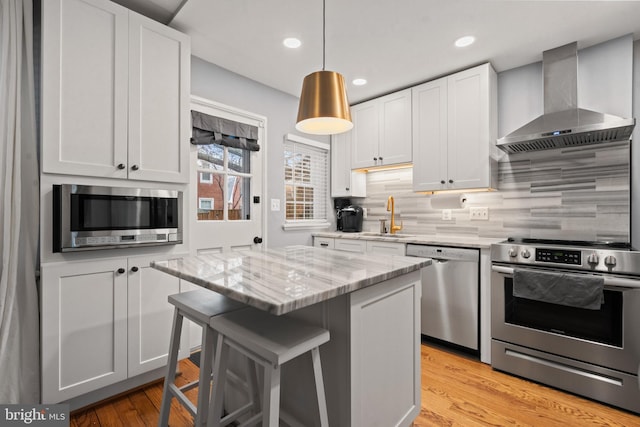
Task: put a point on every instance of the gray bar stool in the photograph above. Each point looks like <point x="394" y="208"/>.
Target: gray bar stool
<point x="269" y="341"/>
<point x="201" y="307"/>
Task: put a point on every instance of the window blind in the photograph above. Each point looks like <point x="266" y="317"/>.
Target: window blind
<point x="306" y="176"/>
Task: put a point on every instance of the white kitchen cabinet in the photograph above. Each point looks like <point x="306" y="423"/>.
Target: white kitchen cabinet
<point x="344" y="181"/>
<point x="385" y="354"/>
<point x="115" y="93"/>
<point x="324" y="242"/>
<point x="454" y="131"/>
<point x="102" y="321"/>
<point x="381" y="134"/>
<point x="350" y="245"/>
<point x="386" y="248"/>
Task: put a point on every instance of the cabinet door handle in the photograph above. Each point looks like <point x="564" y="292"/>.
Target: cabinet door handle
<point x="346" y="188"/>
<point x="324" y="244"/>
<point x="450" y="181"/>
<point x="134" y="269"/>
<point x="380" y="158"/>
<point x="443" y="182"/>
<point x="121" y="270"/>
<point x="134" y="167"/>
<point x="375" y="159"/>
<point x="121" y="166"/>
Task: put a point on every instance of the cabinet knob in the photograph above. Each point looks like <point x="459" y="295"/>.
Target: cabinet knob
<point x="257" y="240"/>
<point x="134" y="269"/>
<point x="121" y="166"/>
<point x="375" y="159"/>
<point x="380" y="158"/>
<point x="121" y="270"/>
<point x="134" y="168"/>
<point x="443" y="182"/>
<point x="346" y="188"/>
<point x="450" y="181"/>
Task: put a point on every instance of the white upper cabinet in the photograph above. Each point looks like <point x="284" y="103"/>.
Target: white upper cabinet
<point x="344" y="181"/>
<point x="381" y="133"/>
<point x="454" y="130"/>
<point x="115" y="93"/>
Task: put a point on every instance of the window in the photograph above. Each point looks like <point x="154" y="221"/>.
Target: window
<point x="306" y="177"/>
<point x="224" y="179"/>
<point x="206" y="178"/>
<point x="205" y="203"/>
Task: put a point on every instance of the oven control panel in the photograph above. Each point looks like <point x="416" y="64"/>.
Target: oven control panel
<point x="559" y="256"/>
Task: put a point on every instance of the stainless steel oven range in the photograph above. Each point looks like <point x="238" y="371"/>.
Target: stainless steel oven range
<point x="567" y="314"/>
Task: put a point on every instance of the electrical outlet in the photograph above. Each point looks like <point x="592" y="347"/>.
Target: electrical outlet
<point x="446" y="214"/>
<point x="275" y="204"/>
<point x="479" y="214"/>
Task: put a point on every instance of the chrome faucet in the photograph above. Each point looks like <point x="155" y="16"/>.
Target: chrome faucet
<point x="391" y="207"/>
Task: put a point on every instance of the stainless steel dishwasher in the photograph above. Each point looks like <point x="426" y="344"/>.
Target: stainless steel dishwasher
<point x="450" y="294"/>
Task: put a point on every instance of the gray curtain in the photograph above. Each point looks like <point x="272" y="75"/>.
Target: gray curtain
<point x="19" y="211"/>
<point x="208" y="129"/>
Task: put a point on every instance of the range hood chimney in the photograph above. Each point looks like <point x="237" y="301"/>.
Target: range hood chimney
<point x="563" y="124"/>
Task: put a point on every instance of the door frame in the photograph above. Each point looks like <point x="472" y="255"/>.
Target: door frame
<point x="262" y="138"/>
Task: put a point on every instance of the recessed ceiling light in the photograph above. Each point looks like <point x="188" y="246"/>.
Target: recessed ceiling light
<point x="359" y="82"/>
<point x="292" y="42"/>
<point x="465" y="41"/>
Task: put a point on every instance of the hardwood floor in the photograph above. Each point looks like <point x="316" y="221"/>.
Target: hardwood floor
<point x="456" y="391"/>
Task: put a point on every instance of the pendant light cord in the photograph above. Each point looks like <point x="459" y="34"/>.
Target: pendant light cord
<point x="323" y="33"/>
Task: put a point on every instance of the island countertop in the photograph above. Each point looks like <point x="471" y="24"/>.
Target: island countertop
<point x="285" y="279"/>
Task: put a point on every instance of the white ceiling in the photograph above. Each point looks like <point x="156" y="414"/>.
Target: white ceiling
<point x="393" y="44"/>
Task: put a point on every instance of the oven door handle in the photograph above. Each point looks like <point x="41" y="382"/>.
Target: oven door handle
<point x="608" y="281"/>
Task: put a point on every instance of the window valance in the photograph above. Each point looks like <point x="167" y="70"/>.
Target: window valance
<point x="216" y="130"/>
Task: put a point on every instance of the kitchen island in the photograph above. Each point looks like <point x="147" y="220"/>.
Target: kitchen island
<point x="369" y="303"/>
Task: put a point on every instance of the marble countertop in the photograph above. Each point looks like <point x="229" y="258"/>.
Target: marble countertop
<point x="286" y="279"/>
<point x="459" y="241"/>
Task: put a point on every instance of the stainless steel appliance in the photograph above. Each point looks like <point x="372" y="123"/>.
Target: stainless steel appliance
<point x="340" y="203"/>
<point x="549" y="335"/>
<point x="351" y="217"/>
<point x="450" y="294"/>
<point x="563" y="124"/>
<point x="94" y="217"/>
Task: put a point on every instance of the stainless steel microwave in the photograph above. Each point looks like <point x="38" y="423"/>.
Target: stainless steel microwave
<point x="87" y="217"/>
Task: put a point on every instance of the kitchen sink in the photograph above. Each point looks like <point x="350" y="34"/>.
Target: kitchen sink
<point x="386" y="235"/>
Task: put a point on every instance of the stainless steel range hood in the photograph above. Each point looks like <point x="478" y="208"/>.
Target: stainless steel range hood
<point x="563" y="124"/>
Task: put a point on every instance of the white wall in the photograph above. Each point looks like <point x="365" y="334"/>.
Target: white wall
<point x="217" y="84"/>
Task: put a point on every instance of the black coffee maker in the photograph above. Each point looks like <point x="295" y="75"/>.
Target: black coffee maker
<point x="340" y="203"/>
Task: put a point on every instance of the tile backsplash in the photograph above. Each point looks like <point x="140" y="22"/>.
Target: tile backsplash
<point x="577" y="194"/>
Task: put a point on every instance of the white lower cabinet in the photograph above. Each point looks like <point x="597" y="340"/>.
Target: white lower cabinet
<point x="385" y="354"/>
<point x="386" y="248"/>
<point x="102" y="321"/>
<point x="359" y="246"/>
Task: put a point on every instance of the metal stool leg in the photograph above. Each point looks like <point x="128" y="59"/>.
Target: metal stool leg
<point x="174" y="346"/>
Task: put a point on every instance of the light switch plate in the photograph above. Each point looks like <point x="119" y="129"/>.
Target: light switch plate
<point x="275" y="204"/>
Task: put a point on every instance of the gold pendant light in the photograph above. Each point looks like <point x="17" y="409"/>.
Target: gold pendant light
<point x="324" y="108"/>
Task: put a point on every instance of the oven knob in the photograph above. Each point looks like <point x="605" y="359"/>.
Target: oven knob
<point x="525" y="254"/>
<point x="513" y="252"/>
<point x="593" y="259"/>
<point x="610" y="261"/>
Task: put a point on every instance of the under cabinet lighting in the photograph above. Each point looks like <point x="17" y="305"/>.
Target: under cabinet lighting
<point x="292" y="43"/>
<point x="359" y="82"/>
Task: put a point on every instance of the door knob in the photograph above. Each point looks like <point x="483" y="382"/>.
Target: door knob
<point x="257" y="240"/>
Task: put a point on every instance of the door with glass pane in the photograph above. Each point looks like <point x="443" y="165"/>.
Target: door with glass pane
<point x="226" y="188"/>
